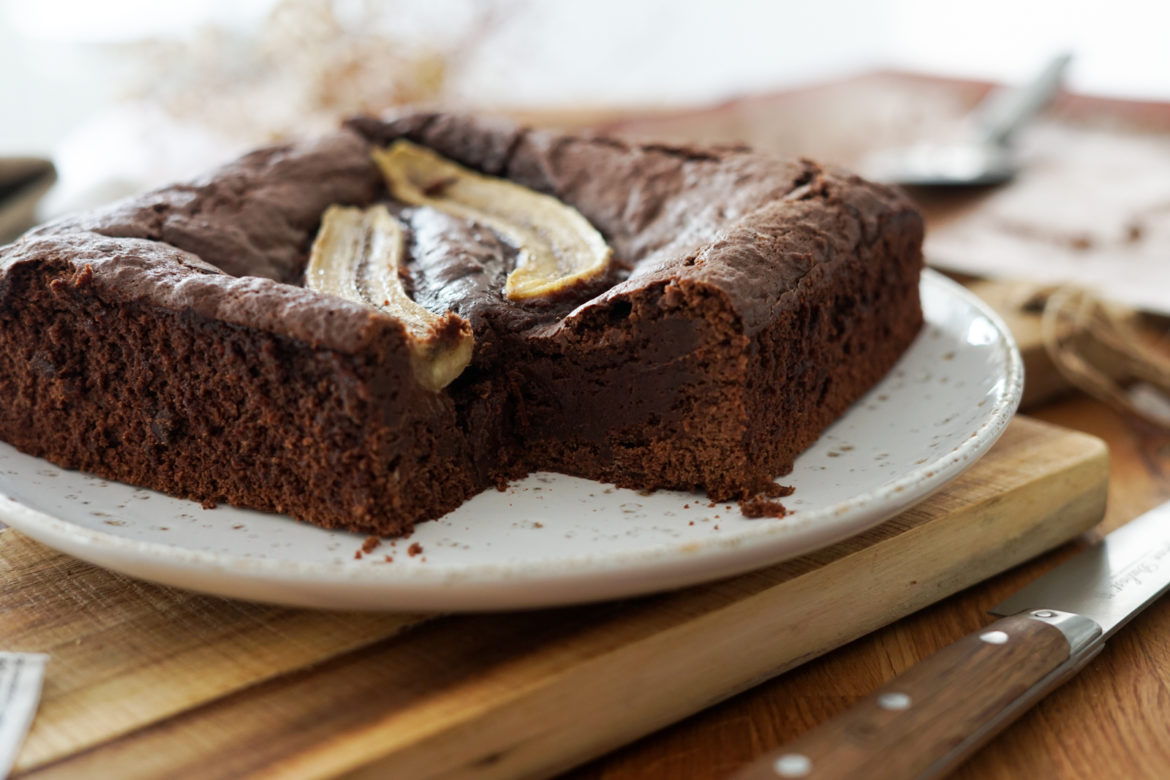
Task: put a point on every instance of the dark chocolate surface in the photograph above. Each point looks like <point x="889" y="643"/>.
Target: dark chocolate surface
<point x="233" y="244"/>
<point x="747" y="225"/>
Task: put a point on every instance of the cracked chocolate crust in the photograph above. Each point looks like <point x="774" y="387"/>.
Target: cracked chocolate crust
<point x="750" y="301"/>
<point x="746" y="225"/>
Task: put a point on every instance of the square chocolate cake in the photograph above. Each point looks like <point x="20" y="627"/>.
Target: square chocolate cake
<point x="652" y="316"/>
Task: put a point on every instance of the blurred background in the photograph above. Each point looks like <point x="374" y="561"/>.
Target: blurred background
<point x="131" y="93"/>
<point x="124" y="95"/>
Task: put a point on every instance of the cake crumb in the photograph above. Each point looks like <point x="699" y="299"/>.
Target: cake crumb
<point x="414" y="549"/>
<point x="538" y="525"/>
<point x="357" y="555"/>
<point x="370" y="543"/>
<point x="762" y="506"/>
<point x="389" y="558"/>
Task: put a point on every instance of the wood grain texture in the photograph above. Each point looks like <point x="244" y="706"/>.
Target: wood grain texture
<point x="1109" y="721"/>
<point x="510" y="695"/>
<point x="126" y="654"/>
<point x="941" y="702"/>
<point x="1113" y="719"/>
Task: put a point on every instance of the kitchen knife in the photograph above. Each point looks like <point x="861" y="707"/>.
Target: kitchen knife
<point x="935" y="714"/>
<point x="20" y="690"/>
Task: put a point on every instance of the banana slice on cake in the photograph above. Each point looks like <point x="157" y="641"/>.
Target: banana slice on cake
<point x="356" y="256"/>
<point x="556" y="245"/>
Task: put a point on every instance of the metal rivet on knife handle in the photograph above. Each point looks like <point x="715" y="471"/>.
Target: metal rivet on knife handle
<point x="792" y="765"/>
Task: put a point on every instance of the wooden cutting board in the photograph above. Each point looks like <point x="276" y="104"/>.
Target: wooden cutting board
<point x="148" y="681"/>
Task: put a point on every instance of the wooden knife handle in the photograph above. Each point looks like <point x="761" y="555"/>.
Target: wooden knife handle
<point x="936" y="713"/>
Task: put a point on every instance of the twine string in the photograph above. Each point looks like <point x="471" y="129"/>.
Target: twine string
<point x="1104" y="349"/>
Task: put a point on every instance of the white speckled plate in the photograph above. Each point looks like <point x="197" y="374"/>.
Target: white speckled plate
<point x="553" y="539"/>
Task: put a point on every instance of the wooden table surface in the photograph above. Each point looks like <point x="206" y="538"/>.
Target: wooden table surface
<point x="1113" y="719"/>
<point x="1110" y="721"/>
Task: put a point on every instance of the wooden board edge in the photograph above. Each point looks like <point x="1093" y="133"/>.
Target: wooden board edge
<point x="581" y="719"/>
<point x="545" y="713"/>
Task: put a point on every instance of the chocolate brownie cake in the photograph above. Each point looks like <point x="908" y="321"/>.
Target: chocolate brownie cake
<point x="170" y="341"/>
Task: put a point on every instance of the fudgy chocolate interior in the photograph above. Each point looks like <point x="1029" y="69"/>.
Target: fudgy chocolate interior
<point x="751" y="300"/>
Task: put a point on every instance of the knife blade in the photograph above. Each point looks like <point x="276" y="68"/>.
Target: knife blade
<point x="932" y="716"/>
<point x="20" y="690"/>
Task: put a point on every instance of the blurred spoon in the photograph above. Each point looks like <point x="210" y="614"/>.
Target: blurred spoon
<point x="984" y="155"/>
